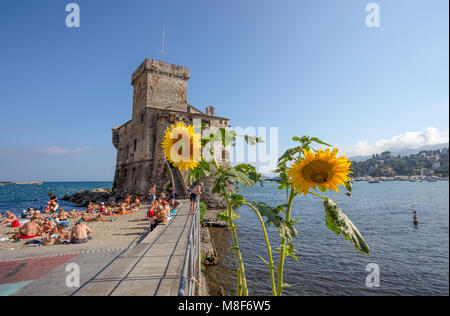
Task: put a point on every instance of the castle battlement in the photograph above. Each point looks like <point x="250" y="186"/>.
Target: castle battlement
<point x="161" y="68"/>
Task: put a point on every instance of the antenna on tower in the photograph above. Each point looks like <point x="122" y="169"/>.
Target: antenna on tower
<point x="162" y="41"/>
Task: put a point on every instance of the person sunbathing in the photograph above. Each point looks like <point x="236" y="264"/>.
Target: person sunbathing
<point x="98" y="218"/>
<point x="47" y="227"/>
<point x="28" y="214"/>
<point x="10" y="217"/>
<point x="63" y="215"/>
<point x="127" y="199"/>
<point x="29" y="230"/>
<point x="151" y="211"/>
<point x="73" y="214"/>
<point x="80" y="234"/>
<point x="63" y="235"/>
<point x="137" y="202"/>
<point x="160" y="217"/>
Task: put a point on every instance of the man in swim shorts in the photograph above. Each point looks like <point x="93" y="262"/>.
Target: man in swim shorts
<point x="80" y="234"/>
<point x="10" y="217"/>
<point x="152" y="193"/>
<point x="195" y="195"/>
<point x="30" y="229"/>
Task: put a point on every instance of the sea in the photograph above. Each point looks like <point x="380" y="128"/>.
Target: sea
<point x="404" y="259"/>
<point x="19" y="197"/>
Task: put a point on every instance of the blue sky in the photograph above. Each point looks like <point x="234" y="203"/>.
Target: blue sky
<point x="306" y="67"/>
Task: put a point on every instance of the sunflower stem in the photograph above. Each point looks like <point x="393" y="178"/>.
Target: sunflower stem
<point x="269" y="249"/>
<point x="283" y="244"/>
<point x="322" y="197"/>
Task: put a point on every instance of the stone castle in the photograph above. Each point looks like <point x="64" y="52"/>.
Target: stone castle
<point x="159" y="100"/>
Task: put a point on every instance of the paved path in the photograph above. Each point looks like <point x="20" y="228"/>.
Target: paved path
<point x="153" y="267"/>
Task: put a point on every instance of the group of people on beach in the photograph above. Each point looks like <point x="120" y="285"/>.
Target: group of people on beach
<point x="51" y="223"/>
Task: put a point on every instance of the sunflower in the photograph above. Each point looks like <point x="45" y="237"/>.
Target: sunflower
<point x="320" y="168"/>
<point x="182" y="146"/>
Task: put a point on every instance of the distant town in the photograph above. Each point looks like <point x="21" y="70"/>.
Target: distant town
<point x="427" y="165"/>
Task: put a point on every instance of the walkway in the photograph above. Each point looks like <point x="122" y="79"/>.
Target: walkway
<point x="153" y="267"/>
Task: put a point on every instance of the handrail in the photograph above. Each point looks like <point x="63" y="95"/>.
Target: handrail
<point x="192" y="258"/>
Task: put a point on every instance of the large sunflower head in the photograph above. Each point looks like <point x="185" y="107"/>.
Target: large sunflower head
<point x="182" y="146"/>
<point x="320" y="168"/>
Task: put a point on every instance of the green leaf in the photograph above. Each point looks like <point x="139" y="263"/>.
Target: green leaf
<point x="289" y="251"/>
<point x="315" y="139"/>
<point x="349" y="186"/>
<point x="253" y="140"/>
<point x="236" y="200"/>
<point x="268" y="212"/>
<point x="338" y="222"/>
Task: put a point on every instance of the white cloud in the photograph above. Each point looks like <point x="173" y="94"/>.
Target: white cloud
<point x="408" y="140"/>
<point x="56" y="150"/>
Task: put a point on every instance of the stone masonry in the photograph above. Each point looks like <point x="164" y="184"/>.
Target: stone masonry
<point x="159" y="100"/>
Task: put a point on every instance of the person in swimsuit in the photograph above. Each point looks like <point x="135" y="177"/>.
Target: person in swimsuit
<point x="160" y="217"/>
<point x="152" y="193"/>
<point x="98" y="218"/>
<point x="172" y="195"/>
<point x="29" y="230"/>
<point x="10" y="217"/>
<point x="47" y="227"/>
<point x="195" y="195"/>
<point x="80" y="234"/>
<point x="52" y="203"/>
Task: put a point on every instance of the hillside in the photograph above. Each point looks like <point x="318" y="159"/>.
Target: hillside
<point x="426" y="162"/>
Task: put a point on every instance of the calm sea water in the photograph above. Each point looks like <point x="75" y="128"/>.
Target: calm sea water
<point x="16" y="198"/>
<point x="412" y="260"/>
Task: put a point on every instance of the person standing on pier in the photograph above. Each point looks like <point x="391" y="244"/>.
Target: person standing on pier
<point x="152" y="193"/>
<point x="172" y="195"/>
<point x="195" y="195"/>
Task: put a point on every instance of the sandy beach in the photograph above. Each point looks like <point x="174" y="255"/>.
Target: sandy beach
<point x="122" y="233"/>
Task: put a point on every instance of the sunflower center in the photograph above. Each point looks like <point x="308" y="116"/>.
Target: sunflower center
<point x="318" y="171"/>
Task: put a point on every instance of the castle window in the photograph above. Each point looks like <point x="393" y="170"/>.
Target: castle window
<point x="135" y="144"/>
<point x="142" y="118"/>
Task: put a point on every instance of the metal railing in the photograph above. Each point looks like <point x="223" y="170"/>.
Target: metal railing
<point x="192" y="259"/>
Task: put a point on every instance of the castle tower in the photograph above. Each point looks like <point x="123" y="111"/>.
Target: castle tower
<point x="159" y="99"/>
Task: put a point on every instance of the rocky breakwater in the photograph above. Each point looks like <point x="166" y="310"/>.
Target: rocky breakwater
<point x="83" y="197"/>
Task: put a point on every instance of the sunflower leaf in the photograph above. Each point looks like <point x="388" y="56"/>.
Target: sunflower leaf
<point x="338" y="222"/>
<point x="349" y="186"/>
<point x="318" y="141"/>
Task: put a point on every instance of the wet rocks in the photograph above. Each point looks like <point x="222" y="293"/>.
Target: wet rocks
<point x="82" y="198"/>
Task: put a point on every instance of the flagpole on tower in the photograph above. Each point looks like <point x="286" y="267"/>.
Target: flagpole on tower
<point x="162" y="41"/>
